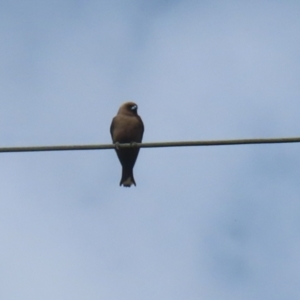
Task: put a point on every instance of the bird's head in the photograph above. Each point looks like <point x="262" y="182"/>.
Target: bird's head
<point x="128" y="108"/>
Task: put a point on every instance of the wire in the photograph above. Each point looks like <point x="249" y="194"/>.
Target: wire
<point x="152" y="145"/>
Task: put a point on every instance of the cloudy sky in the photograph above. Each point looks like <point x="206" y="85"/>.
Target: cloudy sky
<point x="203" y="222"/>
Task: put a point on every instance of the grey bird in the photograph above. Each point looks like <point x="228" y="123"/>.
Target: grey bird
<point x="127" y="127"/>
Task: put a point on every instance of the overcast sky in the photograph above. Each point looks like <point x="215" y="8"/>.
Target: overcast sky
<point x="203" y="222"/>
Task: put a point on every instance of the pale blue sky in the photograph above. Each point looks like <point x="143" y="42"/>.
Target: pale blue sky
<point x="203" y="223"/>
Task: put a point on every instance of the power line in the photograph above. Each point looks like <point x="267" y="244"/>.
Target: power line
<point x="153" y="145"/>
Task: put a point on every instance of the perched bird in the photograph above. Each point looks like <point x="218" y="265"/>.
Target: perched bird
<point x="127" y="127"/>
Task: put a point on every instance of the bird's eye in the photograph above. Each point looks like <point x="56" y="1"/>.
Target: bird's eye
<point x="134" y="107"/>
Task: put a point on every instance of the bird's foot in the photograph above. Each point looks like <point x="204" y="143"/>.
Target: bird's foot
<point x="117" y="145"/>
<point x="133" y="144"/>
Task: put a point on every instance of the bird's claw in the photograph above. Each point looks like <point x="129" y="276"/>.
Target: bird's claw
<point x="133" y="144"/>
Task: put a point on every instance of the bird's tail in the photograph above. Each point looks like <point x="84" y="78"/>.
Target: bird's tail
<point x="127" y="177"/>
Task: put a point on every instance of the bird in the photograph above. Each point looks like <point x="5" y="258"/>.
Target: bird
<point x="127" y="127"/>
